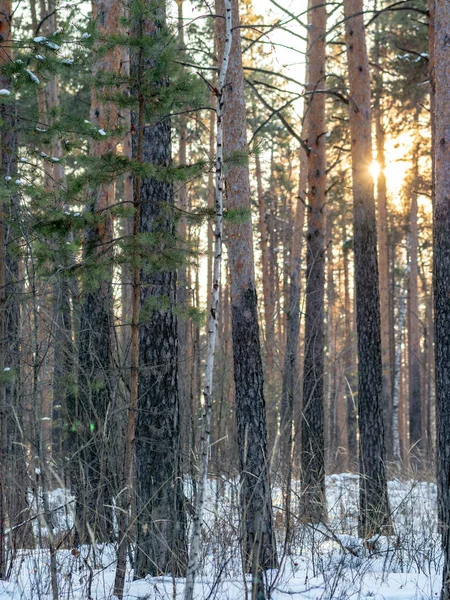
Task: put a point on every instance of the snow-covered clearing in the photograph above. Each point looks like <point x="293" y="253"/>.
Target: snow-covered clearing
<point x="325" y="562"/>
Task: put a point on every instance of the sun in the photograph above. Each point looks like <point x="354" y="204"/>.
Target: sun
<point x="375" y="169"/>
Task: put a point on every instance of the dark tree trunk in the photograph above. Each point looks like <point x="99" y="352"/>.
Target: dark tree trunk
<point x="374" y="506"/>
<point x="159" y="490"/>
<point x="312" y="439"/>
<point x="383" y="249"/>
<point x="259" y="542"/>
<point x="161" y="536"/>
<point x="442" y="274"/>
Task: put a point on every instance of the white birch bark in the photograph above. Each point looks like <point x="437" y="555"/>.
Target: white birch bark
<point x="194" y="557"/>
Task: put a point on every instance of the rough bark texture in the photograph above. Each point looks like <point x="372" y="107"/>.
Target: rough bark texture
<point x="259" y="543"/>
<point x="161" y="535"/>
<point x="383" y="249"/>
<point x="374" y="507"/>
<point x="441" y="272"/>
<point x="313" y="443"/>
<point x="96" y="373"/>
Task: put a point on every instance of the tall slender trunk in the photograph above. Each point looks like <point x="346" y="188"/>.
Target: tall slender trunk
<point x="213" y="322"/>
<point x="13" y="443"/>
<point x="383" y="249"/>
<point x="184" y="349"/>
<point x="130" y="438"/>
<point x="258" y="538"/>
<point x="161" y="528"/>
<point x="331" y="365"/>
<point x="374" y="513"/>
<point x="442" y="272"/>
<point x="95" y="361"/>
<point x="265" y="265"/>
<point x="7" y="165"/>
<point x="396" y="413"/>
<point x="349" y="361"/>
<point x="414" y="352"/>
<point x="313" y="446"/>
<point x="290" y="389"/>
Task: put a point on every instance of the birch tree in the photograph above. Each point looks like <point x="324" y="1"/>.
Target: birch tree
<point x="194" y="557"/>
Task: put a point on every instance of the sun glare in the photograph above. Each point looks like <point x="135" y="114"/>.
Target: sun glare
<point x="375" y="170"/>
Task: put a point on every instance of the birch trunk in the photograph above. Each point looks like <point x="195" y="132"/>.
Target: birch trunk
<point x="194" y="558"/>
<point x="396" y="450"/>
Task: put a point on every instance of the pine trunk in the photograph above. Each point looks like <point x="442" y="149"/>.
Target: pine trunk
<point x="383" y="254"/>
<point x="312" y="438"/>
<point x="442" y="273"/>
<point x="258" y="538"/>
<point x="161" y="528"/>
<point x="374" y="506"/>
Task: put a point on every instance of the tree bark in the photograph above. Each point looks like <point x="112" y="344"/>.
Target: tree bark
<point x="383" y="249"/>
<point x="441" y="273"/>
<point x="258" y="538"/>
<point x="161" y="528"/>
<point x="213" y="322"/>
<point x="312" y="438"/>
<point x="374" y="513"/>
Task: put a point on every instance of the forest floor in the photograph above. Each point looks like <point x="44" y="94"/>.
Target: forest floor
<point x="325" y="561"/>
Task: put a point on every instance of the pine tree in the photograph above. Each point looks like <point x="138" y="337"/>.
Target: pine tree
<point x="374" y="515"/>
<point x="312" y="436"/>
<point x="258" y="539"/>
<point x="161" y="535"/>
<point x="441" y="273"/>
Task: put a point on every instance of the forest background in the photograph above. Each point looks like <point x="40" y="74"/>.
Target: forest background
<point x="136" y="137"/>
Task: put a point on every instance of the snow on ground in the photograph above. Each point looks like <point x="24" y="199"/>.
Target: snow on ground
<point x="325" y="561"/>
